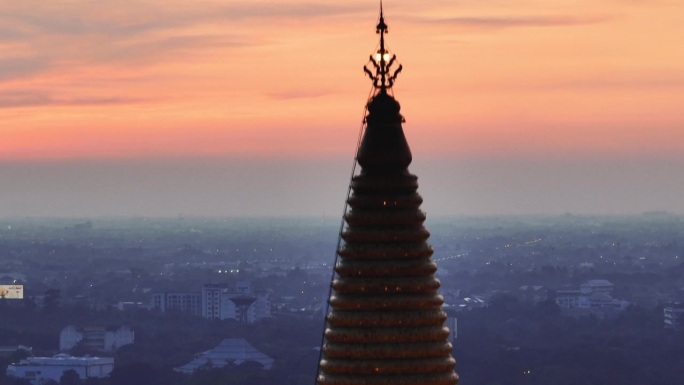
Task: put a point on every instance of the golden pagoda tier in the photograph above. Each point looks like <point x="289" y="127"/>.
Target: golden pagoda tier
<point x="386" y="323"/>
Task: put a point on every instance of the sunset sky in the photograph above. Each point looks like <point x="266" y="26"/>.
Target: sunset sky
<point x="226" y="108"/>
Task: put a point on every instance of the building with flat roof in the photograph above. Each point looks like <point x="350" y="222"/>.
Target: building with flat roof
<point x="597" y="286"/>
<point x="674" y="316"/>
<point x="37" y="370"/>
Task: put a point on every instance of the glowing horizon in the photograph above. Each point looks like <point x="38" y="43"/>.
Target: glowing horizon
<point x="514" y="106"/>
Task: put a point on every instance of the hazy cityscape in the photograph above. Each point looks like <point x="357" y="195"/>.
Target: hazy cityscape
<point x="171" y="174"/>
<point x="544" y="299"/>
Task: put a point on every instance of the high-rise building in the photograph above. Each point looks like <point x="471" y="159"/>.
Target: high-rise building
<point x="218" y="301"/>
<point x="386" y="323"/>
<point x="190" y="303"/>
<point x="211" y="301"/>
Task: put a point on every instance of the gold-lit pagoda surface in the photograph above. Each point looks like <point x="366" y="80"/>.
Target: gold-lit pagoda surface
<point x="386" y="324"/>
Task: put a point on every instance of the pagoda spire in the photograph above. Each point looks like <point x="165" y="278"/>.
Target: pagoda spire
<point x="379" y="67"/>
<point x="386" y="323"/>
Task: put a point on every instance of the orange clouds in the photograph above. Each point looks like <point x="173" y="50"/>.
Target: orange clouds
<point x="107" y="79"/>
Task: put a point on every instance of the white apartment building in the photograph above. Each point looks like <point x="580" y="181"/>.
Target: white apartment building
<point x="211" y="301"/>
<point x="217" y="301"/>
<point x="95" y="338"/>
<point x="568" y="299"/>
<point x="597" y="286"/>
<point x="183" y="302"/>
<point x="674" y="316"/>
<point x="594" y="294"/>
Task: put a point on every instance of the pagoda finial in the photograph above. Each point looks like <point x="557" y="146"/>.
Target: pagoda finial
<point x="381" y="24"/>
<point x="379" y="67"/>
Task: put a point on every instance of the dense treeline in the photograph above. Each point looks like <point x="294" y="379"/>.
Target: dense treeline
<point x="508" y="342"/>
<point x="165" y="341"/>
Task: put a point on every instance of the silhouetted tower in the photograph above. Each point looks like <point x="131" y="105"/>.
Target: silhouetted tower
<point x="386" y="323"/>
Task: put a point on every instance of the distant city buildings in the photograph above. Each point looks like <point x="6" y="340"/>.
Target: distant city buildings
<point x="6" y="351"/>
<point x="451" y="323"/>
<point x="211" y="299"/>
<point x="95" y="338"/>
<point x="216" y="301"/>
<point x="190" y="303"/>
<point x="674" y="316"/>
<point x="533" y="293"/>
<point x="597" y="286"/>
<point x="130" y="305"/>
<point x="38" y="370"/>
<point x="568" y="299"/>
<point x="592" y="295"/>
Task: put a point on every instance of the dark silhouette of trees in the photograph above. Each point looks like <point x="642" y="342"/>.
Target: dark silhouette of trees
<point x="135" y="374"/>
<point x="18" y="355"/>
<point x="70" y="377"/>
<point x="52" y="299"/>
<point x="14" y="381"/>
